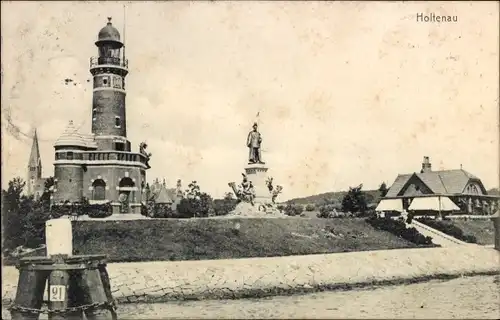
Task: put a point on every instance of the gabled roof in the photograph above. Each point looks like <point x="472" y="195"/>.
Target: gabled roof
<point x="161" y="194"/>
<point x="398" y="184"/>
<point x="165" y="195"/>
<point x="443" y="182"/>
<point x="35" y="160"/>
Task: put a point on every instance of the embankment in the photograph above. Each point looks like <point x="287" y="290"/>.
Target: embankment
<point x="205" y="239"/>
<point x="258" y="277"/>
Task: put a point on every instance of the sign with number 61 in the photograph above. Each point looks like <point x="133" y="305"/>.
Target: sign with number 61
<point x="57" y="293"/>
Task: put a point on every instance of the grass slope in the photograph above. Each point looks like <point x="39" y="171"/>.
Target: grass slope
<point x="198" y="239"/>
<point x="483" y="230"/>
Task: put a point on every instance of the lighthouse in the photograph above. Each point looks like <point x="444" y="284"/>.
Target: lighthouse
<point x="101" y="167"/>
<point x="109" y="70"/>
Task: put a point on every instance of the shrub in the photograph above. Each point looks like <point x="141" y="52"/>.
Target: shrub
<point x="364" y="214"/>
<point x="59" y="210"/>
<point x="81" y="208"/>
<point x="144" y="210"/>
<point x="326" y="211"/>
<point x="163" y="211"/>
<point x="398" y="228"/>
<point x="99" y="210"/>
<point x="330" y="211"/>
<point x="223" y="207"/>
<point x="310" y="207"/>
<point x="448" y="228"/>
<point x="293" y="209"/>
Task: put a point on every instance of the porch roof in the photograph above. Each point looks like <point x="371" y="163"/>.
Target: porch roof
<point x="434" y="204"/>
<point x="390" y="205"/>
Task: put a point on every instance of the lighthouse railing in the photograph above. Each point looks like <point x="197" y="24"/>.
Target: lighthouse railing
<point x="99" y="61"/>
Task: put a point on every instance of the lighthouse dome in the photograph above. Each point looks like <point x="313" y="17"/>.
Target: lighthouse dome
<point x="72" y="138"/>
<point x="108" y="33"/>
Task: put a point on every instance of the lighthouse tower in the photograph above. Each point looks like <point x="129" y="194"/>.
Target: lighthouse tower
<point x="101" y="167"/>
<point x="109" y="70"/>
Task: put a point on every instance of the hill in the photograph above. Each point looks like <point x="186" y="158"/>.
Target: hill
<point x="373" y="196"/>
<point x="494" y="192"/>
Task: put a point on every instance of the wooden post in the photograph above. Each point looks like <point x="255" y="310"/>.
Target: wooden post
<point x="496" y="224"/>
<point x="74" y="295"/>
<point x="93" y="291"/>
<point x="76" y="284"/>
<point x="58" y="291"/>
<point x="107" y="288"/>
<point x="29" y="293"/>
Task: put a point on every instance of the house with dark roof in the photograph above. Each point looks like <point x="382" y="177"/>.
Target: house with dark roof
<point x="461" y="187"/>
<point x="159" y="194"/>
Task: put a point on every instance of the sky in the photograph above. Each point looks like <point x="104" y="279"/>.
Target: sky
<point x="347" y="92"/>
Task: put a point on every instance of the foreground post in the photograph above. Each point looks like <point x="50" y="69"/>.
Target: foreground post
<point x="496" y="224"/>
<point x="29" y="296"/>
<point x="77" y="285"/>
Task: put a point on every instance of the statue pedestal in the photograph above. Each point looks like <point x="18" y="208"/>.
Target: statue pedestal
<point x="263" y="206"/>
<point x="257" y="174"/>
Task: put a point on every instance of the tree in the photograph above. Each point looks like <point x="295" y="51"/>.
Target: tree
<point x="47" y="192"/>
<point x="34" y="218"/>
<point x="196" y="203"/>
<point x="224" y="206"/>
<point x="383" y="189"/>
<point x="354" y="201"/>
<point x="193" y="191"/>
<point x="23" y="217"/>
<point x="12" y="223"/>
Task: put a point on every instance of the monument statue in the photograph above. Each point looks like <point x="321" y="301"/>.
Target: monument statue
<point x="256" y="196"/>
<point x="245" y="191"/>
<point x="254" y="141"/>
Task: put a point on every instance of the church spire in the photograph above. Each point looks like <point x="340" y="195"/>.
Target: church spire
<point x="34" y="168"/>
<point x="35" y="161"/>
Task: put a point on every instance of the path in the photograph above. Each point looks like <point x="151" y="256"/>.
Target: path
<point x="257" y="277"/>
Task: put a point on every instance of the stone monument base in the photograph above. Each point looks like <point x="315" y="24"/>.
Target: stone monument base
<point x="246" y="210"/>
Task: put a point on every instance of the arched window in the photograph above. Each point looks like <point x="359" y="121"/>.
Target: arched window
<point x="99" y="192"/>
<point x="126" y="182"/>
<point x="472" y="188"/>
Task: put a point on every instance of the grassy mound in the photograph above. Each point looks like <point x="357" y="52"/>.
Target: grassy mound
<point x="483" y="230"/>
<point x="198" y="239"/>
<point x="448" y="228"/>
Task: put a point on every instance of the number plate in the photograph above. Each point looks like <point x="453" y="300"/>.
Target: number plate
<point x="57" y="293"/>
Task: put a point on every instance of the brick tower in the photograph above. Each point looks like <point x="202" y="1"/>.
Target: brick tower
<point x="109" y="69"/>
<point x="102" y="167"/>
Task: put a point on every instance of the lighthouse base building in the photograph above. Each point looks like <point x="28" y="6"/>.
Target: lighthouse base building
<point x="100" y="167"/>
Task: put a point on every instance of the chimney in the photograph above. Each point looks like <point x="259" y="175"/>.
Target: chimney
<point x="426" y="165"/>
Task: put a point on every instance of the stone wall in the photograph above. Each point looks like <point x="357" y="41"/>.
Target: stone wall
<point x="257" y="277"/>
